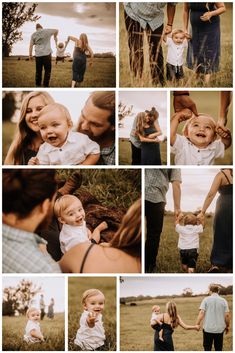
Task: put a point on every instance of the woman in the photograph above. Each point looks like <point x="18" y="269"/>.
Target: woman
<point x="79" y="58"/>
<point x="204" y="47"/>
<point x="222" y="248"/>
<point x="148" y="130"/>
<point x="135" y="141"/>
<point x="170" y="320"/>
<point x="50" y="313"/>
<point x="122" y="255"/>
<point x="27" y="139"/>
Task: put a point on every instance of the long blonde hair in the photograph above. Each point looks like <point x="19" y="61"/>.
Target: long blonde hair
<point x="84" y="42"/>
<point x="24" y="135"/>
<point x="172" y="312"/>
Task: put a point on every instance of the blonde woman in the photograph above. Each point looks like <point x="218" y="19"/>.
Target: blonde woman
<point x="81" y="50"/>
<point x="28" y="139"/>
<point x="170" y="320"/>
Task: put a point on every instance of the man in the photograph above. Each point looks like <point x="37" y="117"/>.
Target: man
<point x="97" y="121"/>
<point x="149" y="17"/>
<point x="42" y="307"/>
<point x="215" y="313"/>
<point x="156" y="186"/>
<point x="41" y="40"/>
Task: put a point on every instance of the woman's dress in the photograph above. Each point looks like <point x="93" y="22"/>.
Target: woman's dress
<point x="79" y="64"/>
<point x="204" y="48"/>
<point x="150" y="151"/>
<point x="222" y="249"/>
<point x="50" y="313"/>
<point x="167" y="343"/>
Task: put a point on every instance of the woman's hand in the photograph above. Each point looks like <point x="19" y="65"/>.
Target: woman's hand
<point x="33" y="161"/>
<point x="206" y="16"/>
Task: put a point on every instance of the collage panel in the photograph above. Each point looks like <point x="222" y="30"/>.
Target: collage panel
<point x="60" y="220"/>
<point x="58" y="127"/>
<point x="142" y="120"/>
<point x="176" y="313"/>
<point x="166" y="44"/>
<point x="33" y="313"/>
<point x="189" y="220"/>
<point x="92" y="314"/>
<point x="201" y="128"/>
<point x="59" y="44"/>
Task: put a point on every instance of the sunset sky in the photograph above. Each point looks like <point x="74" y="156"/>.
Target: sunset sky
<point x="97" y="20"/>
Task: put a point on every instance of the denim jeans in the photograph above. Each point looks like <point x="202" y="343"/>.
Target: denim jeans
<point x="43" y="62"/>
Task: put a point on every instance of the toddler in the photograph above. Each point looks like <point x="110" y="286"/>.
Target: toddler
<point x="199" y="144"/>
<point x="154" y="320"/>
<point x="70" y="212"/>
<point x="32" y="330"/>
<point x="61" y="146"/>
<point x="188" y="243"/>
<point x="91" y="335"/>
<point x="60" y="51"/>
<point x="176" y="44"/>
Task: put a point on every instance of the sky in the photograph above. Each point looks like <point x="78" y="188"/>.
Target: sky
<point x="141" y="101"/>
<point x="169" y="285"/>
<point x="194" y="188"/>
<point x="97" y="20"/>
<point x="52" y="287"/>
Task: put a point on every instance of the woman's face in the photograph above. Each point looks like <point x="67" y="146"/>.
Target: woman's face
<point x="146" y="118"/>
<point x="35" y="105"/>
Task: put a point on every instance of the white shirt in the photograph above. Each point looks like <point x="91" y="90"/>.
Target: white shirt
<point x="32" y="325"/>
<point x="188" y="154"/>
<point x="72" y="235"/>
<point x="188" y="236"/>
<point x="74" y="151"/>
<point x="90" y="338"/>
<point x="175" y="52"/>
<point x="153" y="318"/>
<point x="60" y="52"/>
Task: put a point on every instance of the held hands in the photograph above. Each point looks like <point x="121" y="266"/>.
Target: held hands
<point x="206" y="16"/>
<point x="184" y="101"/>
<point x="201" y="217"/>
<point x="197" y="327"/>
<point x="167" y="29"/>
<point x="223" y="131"/>
<point x="182" y="115"/>
<point x="33" y="161"/>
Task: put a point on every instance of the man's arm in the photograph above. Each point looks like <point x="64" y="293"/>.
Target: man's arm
<point x="200" y="317"/>
<point x="170" y="17"/>
<point x="176" y="196"/>
<point x="227" y="322"/>
<point x="31" y="49"/>
<point x="55" y="36"/>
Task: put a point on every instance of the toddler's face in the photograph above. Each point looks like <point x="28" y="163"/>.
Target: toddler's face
<point x="34" y="315"/>
<point x="74" y="214"/>
<point x="35" y="105"/>
<point x="95" y="304"/>
<point x="178" y="38"/>
<point x="54" y="128"/>
<point x="201" y="131"/>
<point x="157" y="309"/>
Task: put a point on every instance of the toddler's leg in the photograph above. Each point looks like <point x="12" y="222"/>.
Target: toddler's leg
<point x="161" y="335"/>
<point x="96" y="233"/>
<point x="191" y="270"/>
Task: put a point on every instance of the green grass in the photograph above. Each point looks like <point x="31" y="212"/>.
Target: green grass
<point x="76" y="287"/>
<point x="13" y="332"/>
<point x="224" y="78"/>
<point x="137" y="335"/>
<point x="125" y="152"/>
<point x="22" y="73"/>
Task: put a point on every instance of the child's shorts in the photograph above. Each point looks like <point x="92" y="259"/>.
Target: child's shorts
<point x="174" y="72"/>
<point x="189" y="257"/>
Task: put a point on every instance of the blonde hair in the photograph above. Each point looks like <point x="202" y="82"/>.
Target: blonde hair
<point x="128" y="235"/>
<point x="140" y="123"/>
<point x="24" y="135"/>
<point x="53" y="106"/>
<point x="201" y="115"/>
<point x="62" y="203"/>
<point x="84" y="42"/>
<point x="172" y="312"/>
<point x="177" y="31"/>
<point x="90" y="293"/>
<point x="155" y="307"/>
<point x="31" y="310"/>
<point x="190" y="218"/>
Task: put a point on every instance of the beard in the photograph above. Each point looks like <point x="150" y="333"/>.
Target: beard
<point x="44" y="225"/>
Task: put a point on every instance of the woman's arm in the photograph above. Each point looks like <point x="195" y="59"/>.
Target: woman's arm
<point x="74" y="39"/>
<point x="211" y="194"/>
<point x="185" y="17"/>
<point x="220" y="8"/>
<point x="147" y="139"/>
<point x="187" y="327"/>
<point x="158" y="130"/>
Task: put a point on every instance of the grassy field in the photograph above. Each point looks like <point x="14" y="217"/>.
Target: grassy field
<point x="22" y="73"/>
<point x="137" y="335"/>
<point x="209" y="102"/>
<point x="168" y="259"/>
<point x="13" y="332"/>
<point x="76" y="287"/>
<point x="125" y="152"/>
<point x="223" y="78"/>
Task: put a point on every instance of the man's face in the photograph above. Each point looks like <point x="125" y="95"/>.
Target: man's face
<point x="94" y="122"/>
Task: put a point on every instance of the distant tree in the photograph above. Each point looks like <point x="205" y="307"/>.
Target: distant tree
<point x="14" y="15"/>
<point x="8" y="105"/>
<point x="187" y="292"/>
<point x="18" y="299"/>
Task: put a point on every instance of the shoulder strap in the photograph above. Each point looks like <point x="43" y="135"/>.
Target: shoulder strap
<point x="226" y="177"/>
<point x="85" y="257"/>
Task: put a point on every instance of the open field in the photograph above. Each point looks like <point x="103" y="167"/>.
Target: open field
<point x="76" y="287"/>
<point x="21" y="73"/>
<point x="137" y="335"/>
<point x="13" y="332"/>
<point x="223" y="78"/>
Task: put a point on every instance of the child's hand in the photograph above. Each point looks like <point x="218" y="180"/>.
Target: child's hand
<point x="33" y="161"/>
<point x="187" y="36"/>
<point x="206" y="16"/>
<point x="223" y="132"/>
<point x="91" y="319"/>
<point x="182" y="115"/>
<point x="201" y="217"/>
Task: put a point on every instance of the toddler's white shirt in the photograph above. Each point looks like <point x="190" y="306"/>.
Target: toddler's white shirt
<point x="32" y="325"/>
<point x="60" y="52"/>
<point x="74" y="151"/>
<point x="187" y="153"/>
<point x="175" y="53"/>
<point x="88" y="338"/>
<point x="72" y="235"/>
<point x="153" y="318"/>
<point x="188" y="236"/>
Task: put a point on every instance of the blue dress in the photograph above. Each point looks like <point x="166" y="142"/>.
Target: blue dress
<point x="79" y="64"/>
<point x="150" y="151"/>
<point x="204" y="48"/>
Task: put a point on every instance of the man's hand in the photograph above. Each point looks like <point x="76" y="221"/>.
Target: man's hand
<point x="167" y="29"/>
<point x="184" y="101"/>
<point x="198" y="327"/>
<point x="30" y="57"/>
<point x="177" y="213"/>
<point x="226" y="330"/>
